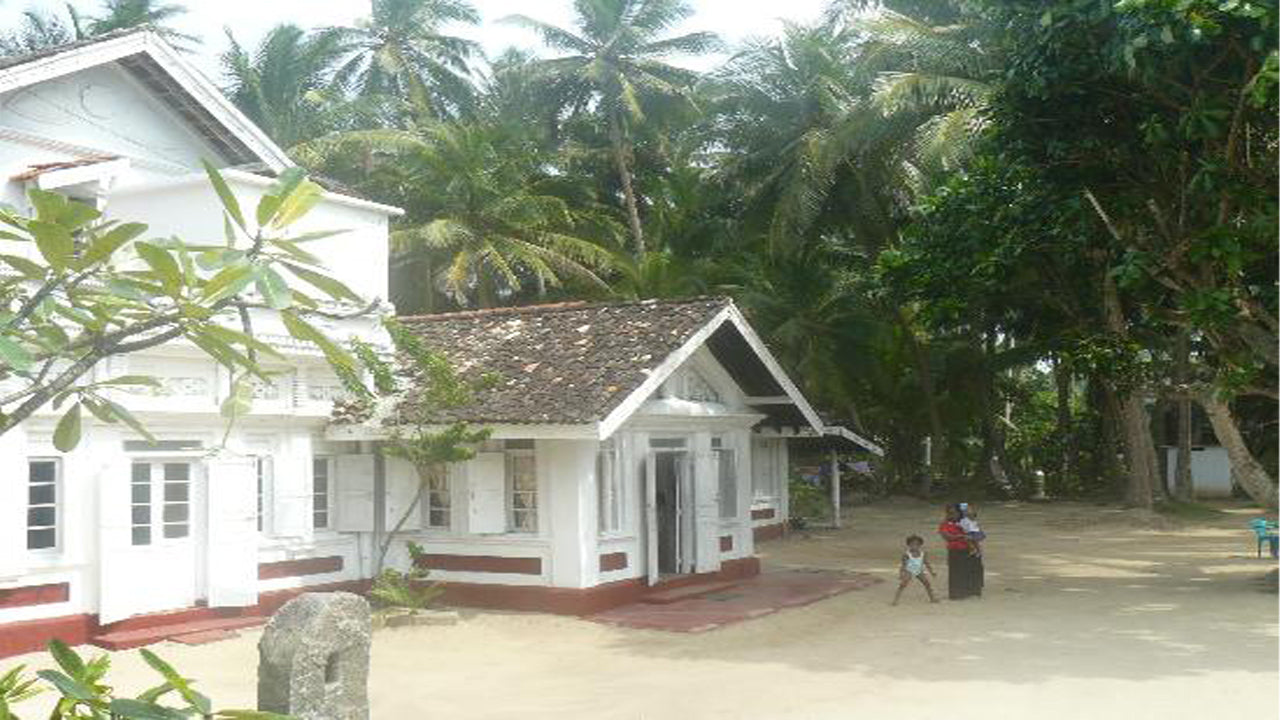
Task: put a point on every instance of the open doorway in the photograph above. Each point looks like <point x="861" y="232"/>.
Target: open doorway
<point x="672" y="529"/>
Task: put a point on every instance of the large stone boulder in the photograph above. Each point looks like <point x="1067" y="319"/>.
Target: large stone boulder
<point x="314" y="658"/>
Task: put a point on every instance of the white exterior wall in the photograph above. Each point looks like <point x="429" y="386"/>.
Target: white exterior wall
<point x="159" y="181"/>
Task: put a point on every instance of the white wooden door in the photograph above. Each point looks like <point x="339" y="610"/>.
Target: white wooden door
<point x="651" y="516"/>
<point x="151" y="515"/>
<point x="232" y="546"/>
<point x="705" y="550"/>
<point x="487" y="493"/>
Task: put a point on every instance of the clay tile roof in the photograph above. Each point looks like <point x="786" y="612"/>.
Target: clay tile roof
<point x="34" y="171"/>
<point x="566" y="363"/>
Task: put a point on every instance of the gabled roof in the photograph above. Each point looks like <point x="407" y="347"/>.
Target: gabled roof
<point x="152" y="62"/>
<point x="590" y="363"/>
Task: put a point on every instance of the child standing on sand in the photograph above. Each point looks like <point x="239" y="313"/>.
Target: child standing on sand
<point x="914" y="564"/>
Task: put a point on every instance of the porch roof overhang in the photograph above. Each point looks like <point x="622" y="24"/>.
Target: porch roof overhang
<point x="830" y="433"/>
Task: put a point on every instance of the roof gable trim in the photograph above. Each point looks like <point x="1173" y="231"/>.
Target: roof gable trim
<point x="195" y="84"/>
<point x="730" y="313"/>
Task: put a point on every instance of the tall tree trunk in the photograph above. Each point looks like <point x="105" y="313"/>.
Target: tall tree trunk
<point x="1140" y="450"/>
<point x="924" y="371"/>
<point x="1062" y="382"/>
<point x="620" y="153"/>
<point x="1245" y="469"/>
<point x="1182" y="488"/>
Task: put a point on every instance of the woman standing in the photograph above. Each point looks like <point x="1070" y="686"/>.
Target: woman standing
<point x="960" y="575"/>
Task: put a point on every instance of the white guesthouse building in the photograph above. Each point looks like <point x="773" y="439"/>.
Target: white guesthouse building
<point x="631" y="441"/>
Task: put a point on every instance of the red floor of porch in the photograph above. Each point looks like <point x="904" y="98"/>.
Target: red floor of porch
<point x="722" y="604"/>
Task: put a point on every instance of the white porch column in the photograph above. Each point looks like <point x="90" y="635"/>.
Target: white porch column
<point x="565" y="469"/>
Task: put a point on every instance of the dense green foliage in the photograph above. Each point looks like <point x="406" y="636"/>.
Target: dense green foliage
<point x="1027" y="231"/>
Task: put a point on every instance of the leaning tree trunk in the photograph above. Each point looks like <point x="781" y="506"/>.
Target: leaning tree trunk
<point x="1062" y="383"/>
<point x="1246" y="470"/>
<point x="1135" y="426"/>
<point x="624" y="176"/>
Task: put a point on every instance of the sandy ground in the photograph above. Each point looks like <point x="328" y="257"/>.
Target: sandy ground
<point x="1090" y="612"/>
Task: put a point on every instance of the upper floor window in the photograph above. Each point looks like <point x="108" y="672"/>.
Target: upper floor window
<point x="42" y="504"/>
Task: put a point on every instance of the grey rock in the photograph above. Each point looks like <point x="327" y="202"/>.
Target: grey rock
<point x="314" y="658"/>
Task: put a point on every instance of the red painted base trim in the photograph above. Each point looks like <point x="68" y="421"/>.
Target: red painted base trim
<point x="29" y="595"/>
<point x="579" y="601"/>
<point x="613" y="561"/>
<point x="34" y="635"/>
<point x="299" y="568"/>
<point x="726" y="543"/>
<point x="769" y="532"/>
<point x="482" y="563"/>
<point x="763" y="514"/>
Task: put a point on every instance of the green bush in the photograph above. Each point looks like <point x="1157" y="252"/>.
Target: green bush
<point x="408" y="590"/>
<point x="84" y="693"/>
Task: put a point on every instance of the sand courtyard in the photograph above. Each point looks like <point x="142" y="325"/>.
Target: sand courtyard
<point x="1090" y="611"/>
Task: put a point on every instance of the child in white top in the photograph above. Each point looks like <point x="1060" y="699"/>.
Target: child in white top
<point x="969" y="523"/>
<point x="914" y="564"/>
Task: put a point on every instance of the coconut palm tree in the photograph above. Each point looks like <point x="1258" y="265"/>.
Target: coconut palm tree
<point x="123" y="14"/>
<point x="402" y="51"/>
<point x="616" y="67"/>
<point x="285" y="85"/>
<point x="481" y="212"/>
<point x="40" y="29"/>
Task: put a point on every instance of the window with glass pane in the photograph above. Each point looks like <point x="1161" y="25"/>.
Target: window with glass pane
<point x="320" y="493"/>
<point x="177" y="500"/>
<point x="728" y="478"/>
<point x="522" y="489"/>
<point x="438" y="501"/>
<point x="42" y="504"/>
<point x="609" y="490"/>
<point x="140" y="503"/>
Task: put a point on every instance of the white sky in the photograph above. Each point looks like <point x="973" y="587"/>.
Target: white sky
<point x="249" y="20"/>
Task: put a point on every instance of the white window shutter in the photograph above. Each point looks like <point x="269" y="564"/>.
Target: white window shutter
<point x="233" y="538"/>
<point x="487" y="482"/>
<point x="290" y="489"/>
<point x="706" y="499"/>
<point x="13" y="503"/>
<point x="402" y="487"/>
<point x="355" y="492"/>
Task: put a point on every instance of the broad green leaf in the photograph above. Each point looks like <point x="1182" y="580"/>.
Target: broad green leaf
<point x="32" y="270"/>
<point x="228" y="335"/>
<point x="316" y="235"/>
<point x="267" y="208"/>
<point x="155" y="693"/>
<point x="128" y="417"/>
<point x="297" y="203"/>
<point x="228" y="282"/>
<point x="106" y="244"/>
<point x="13" y="354"/>
<point x="67" y="434"/>
<point x="296" y="252"/>
<point x="48" y="205"/>
<point x="164" y="266"/>
<point x="99" y="410"/>
<point x="229" y="202"/>
<point x="274" y="289"/>
<point x="288" y="181"/>
<point x="55" y="243"/>
<point x="240" y="401"/>
<point x="145" y="380"/>
<point x="66" y="658"/>
<point x="334" y="288"/>
<point x="303" y="330"/>
<point x="69" y="687"/>
<point x="140" y="710"/>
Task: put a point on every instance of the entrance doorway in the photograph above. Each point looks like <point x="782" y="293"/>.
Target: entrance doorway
<point x="671" y="481"/>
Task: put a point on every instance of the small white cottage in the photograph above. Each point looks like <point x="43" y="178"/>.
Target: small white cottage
<point x="633" y="442"/>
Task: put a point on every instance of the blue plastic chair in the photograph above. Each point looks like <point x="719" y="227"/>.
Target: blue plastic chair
<point x="1265" y="531"/>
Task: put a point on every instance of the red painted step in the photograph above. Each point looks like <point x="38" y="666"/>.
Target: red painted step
<point x="204" y="636"/>
<point x="685" y="592"/>
<point x="126" y="639"/>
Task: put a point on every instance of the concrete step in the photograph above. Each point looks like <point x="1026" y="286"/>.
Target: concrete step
<point x="126" y="639"/>
<point x="685" y="592"/>
<point x="204" y="636"/>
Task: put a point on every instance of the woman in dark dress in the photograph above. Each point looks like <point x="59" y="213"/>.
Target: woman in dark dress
<point x="960" y="570"/>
